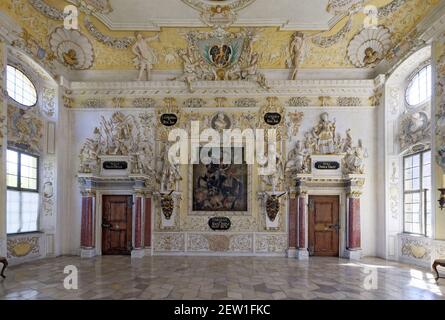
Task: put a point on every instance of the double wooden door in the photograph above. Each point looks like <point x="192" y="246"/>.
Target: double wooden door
<point x="324" y="226"/>
<point x="117" y="225"/>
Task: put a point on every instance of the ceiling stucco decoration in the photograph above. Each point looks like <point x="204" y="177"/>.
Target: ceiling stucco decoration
<point x="343" y="6"/>
<point x="221" y="55"/>
<point x="391" y="7"/>
<point x="47" y="10"/>
<point x="369" y="47"/>
<point x="220" y="13"/>
<point x="328" y="41"/>
<point x="72" y="48"/>
<point x="94" y="6"/>
<point x="112" y="42"/>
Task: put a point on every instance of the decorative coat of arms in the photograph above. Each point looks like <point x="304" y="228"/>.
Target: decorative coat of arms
<point x="167" y="205"/>
<point x="221" y="55"/>
<point x="273" y="206"/>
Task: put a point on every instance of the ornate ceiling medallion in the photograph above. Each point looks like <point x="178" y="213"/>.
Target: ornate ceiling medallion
<point x="218" y="13"/>
<point x="369" y="47"/>
<point x="72" y="48"/>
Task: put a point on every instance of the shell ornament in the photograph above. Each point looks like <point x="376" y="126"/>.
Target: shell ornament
<point x="369" y="47"/>
<point x="72" y="48"/>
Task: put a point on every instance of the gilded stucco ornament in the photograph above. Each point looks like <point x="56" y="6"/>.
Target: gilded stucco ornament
<point x="220" y="13"/>
<point x="72" y="48"/>
<point x="369" y="47"/>
<point x="221" y="55"/>
<point x="112" y="42"/>
<point x="47" y="10"/>
<point x="343" y="6"/>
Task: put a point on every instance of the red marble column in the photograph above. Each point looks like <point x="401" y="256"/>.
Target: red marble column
<point x="293" y="214"/>
<point x="354" y="232"/>
<point x="302" y="221"/>
<point x="87" y="224"/>
<point x="138" y="224"/>
<point x="147" y="227"/>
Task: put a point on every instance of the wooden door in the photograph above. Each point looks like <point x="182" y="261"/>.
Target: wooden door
<point x="116" y="225"/>
<point x="324" y="226"/>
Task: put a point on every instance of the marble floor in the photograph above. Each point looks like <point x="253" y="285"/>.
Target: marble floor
<point x="247" y="278"/>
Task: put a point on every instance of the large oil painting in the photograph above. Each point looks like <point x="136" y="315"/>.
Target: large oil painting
<point x="219" y="186"/>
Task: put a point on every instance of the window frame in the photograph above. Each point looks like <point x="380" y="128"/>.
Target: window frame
<point x="19" y="189"/>
<point x="26" y="74"/>
<point x="19" y="170"/>
<point x="422" y="191"/>
<point x="410" y="79"/>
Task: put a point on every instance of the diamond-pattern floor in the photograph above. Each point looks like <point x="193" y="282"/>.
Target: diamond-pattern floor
<point x="173" y="277"/>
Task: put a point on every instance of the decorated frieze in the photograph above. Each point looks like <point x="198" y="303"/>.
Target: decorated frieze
<point x="271" y="243"/>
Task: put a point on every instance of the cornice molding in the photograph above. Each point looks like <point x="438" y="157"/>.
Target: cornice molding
<point x="157" y="24"/>
<point x="359" y="88"/>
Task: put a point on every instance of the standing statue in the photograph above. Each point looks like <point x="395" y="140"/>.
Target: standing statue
<point x="324" y="133"/>
<point x="296" y="53"/>
<point x="145" y="55"/>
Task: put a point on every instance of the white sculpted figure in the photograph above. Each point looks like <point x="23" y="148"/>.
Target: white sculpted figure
<point x="297" y="160"/>
<point x="354" y="159"/>
<point x="324" y="133"/>
<point x="145" y="55"/>
<point x="276" y="176"/>
<point x="296" y="53"/>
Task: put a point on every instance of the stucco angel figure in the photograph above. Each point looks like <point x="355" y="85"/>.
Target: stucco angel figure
<point x="296" y="53"/>
<point x="145" y="55"/>
<point x="325" y="135"/>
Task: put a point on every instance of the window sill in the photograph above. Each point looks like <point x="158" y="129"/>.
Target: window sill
<point x="24" y="233"/>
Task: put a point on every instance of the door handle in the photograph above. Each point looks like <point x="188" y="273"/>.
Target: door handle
<point x="106" y="225"/>
<point x="334" y="226"/>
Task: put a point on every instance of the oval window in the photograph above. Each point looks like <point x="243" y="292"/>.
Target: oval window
<point x="20" y="88"/>
<point x="419" y="88"/>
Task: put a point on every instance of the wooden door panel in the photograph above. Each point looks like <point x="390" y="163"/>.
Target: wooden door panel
<point x="116" y="225"/>
<point x="324" y="225"/>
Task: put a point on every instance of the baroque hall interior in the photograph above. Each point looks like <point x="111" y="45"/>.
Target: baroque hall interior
<point x="222" y="137"/>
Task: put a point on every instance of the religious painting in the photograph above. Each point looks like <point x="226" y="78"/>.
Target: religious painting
<point x="221" y="186"/>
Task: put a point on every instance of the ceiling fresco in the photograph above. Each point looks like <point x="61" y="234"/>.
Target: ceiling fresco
<point x="345" y="45"/>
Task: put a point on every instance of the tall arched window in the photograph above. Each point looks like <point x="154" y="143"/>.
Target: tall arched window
<point x="419" y="88"/>
<point x="20" y="87"/>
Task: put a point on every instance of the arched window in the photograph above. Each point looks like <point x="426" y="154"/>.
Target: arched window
<point x="419" y="88"/>
<point x="20" y="87"/>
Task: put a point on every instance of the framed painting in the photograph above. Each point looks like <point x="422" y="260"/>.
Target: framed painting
<point x="220" y="187"/>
